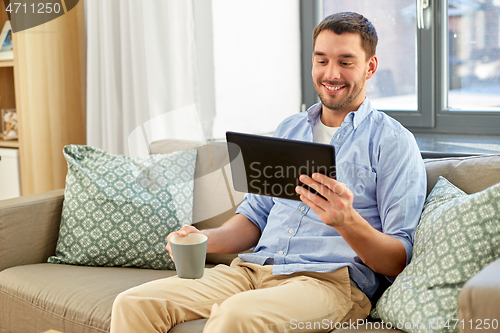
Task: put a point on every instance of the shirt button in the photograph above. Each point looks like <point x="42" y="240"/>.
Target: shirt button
<point x="281" y="252"/>
<point x="302" y="208"/>
<point x="290" y="231"/>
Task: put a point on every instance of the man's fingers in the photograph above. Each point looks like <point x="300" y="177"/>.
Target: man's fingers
<point x="186" y="230"/>
<point x="335" y="186"/>
<point x="314" y="201"/>
<point x="183" y="232"/>
<point x="316" y="185"/>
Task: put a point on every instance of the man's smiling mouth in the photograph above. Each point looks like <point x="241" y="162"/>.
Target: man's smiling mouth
<point x="332" y="88"/>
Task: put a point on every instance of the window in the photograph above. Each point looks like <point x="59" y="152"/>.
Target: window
<point x="474" y="55"/>
<point x="439" y="61"/>
<point x="396" y="51"/>
<point x="256" y="54"/>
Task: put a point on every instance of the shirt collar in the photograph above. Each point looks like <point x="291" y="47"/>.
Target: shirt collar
<point x="356" y="117"/>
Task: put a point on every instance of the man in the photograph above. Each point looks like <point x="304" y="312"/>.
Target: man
<point x="314" y="261"/>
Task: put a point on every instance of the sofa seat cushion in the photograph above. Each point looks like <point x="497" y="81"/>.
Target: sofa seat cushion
<point x="196" y="326"/>
<point x="193" y="326"/>
<point x="77" y="299"/>
<point x="66" y="298"/>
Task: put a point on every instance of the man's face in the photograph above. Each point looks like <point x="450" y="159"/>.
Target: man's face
<point x="340" y="70"/>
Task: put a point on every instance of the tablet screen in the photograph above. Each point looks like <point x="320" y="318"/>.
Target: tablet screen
<point x="272" y="166"/>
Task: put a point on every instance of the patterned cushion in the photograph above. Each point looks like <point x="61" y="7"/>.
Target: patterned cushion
<point x="118" y="210"/>
<point x="458" y="235"/>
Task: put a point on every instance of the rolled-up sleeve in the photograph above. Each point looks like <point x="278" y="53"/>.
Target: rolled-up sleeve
<point x="401" y="188"/>
<point x="256" y="208"/>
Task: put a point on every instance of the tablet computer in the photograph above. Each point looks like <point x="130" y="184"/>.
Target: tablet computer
<point x="272" y="166"/>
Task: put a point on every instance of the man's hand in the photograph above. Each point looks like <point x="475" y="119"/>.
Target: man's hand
<point x="383" y="253"/>
<point x="337" y="210"/>
<point x="183" y="232"/>
<point x="236" y="235"/>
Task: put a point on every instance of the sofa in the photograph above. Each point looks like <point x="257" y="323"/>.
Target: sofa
<point x="36" y="296"/>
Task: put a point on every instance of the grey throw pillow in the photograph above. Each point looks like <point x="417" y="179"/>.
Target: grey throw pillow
<point x="118" y="210"/>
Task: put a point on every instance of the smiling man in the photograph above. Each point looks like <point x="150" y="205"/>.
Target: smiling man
<point x="314" y="261"/>
<point x="341" y="67"/>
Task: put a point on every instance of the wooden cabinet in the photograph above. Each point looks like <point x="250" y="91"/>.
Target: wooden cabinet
<point x="46" y="85"/>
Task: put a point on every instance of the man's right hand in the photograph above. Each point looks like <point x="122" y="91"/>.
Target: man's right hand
<point x="183" y="232"/>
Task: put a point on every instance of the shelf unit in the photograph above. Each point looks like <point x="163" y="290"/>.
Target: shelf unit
<point x="9" y="143"/>
<point x="45" y="83"/>
<point x="7" y="91"/>
<point x="7" y="63"/>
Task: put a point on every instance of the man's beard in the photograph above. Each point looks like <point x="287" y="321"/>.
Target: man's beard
<point x="339" y="105"/>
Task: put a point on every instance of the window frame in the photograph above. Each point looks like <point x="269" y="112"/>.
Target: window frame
<point x="433" y="115"/>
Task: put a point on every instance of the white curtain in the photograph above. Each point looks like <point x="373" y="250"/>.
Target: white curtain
<point x="189" y="69"/>
<point x="141" y="68"/>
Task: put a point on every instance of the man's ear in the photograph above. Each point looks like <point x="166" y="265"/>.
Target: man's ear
<point x="372" y="67"/>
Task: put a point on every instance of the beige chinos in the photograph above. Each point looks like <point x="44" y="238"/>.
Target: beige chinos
<point x="242" y="298"/>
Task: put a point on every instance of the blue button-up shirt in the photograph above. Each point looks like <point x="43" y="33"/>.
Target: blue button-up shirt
<point x="379" y="161"/>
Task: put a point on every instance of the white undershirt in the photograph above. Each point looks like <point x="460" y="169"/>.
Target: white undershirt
<point x="323" y="133"/>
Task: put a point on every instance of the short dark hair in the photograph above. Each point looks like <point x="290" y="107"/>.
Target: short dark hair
<point x="350" y="22"/>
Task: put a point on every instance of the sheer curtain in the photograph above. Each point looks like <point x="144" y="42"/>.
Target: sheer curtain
<point x="189" y="70"/>
<point x="141" y="69"/>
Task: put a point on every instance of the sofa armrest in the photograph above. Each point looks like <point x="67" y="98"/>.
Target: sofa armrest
<point x="29" y="228"/>
<point x="479" y="300"/>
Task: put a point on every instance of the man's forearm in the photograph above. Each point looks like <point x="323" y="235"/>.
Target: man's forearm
<point x="236" y="235"/>
<point x="384" y="254"/>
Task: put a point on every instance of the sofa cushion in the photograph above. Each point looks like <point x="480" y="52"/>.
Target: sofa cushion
<point x="214" y="194"/>
<point x="118" y="211"/>
<point x="29" y="226"/>
<point x="196" y="326"/>
<point x="479" y="299"/>
<point x="471" y="174"/>
<point x="193" y="326"/>
<point x="458" y="235"/>
<point x="66" y="298"/>
<point x="215" y="200"/>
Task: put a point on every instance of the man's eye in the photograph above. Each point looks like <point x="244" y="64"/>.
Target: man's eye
<point x="346" y="63"/>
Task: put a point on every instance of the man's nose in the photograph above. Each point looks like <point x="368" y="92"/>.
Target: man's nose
<point x="332" y="72"/>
